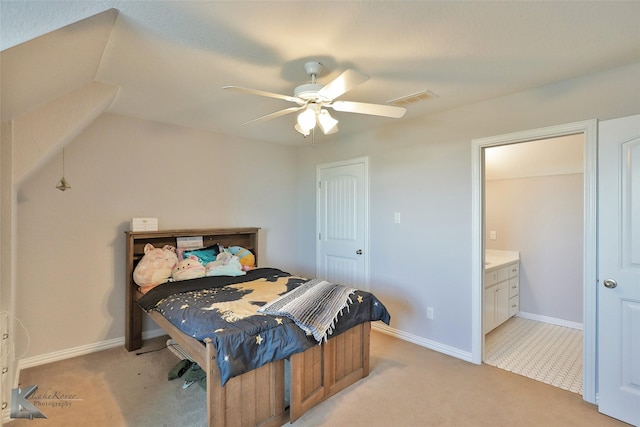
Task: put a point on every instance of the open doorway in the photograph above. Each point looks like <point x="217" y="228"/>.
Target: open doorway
<point x="589" y="130"/>
<point x="533" y="217"/>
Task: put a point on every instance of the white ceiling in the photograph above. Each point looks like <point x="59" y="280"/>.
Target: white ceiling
<point x="172" y="58"/>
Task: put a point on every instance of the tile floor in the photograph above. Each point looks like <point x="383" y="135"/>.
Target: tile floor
<point x="548" y="353"/>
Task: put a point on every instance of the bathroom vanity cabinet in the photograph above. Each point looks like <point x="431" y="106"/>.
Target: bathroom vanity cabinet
<point x="501" y="288"/>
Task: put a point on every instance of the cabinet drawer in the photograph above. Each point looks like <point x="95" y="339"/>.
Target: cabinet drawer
<point x="503" y="273"/>
<point x="514" y="305"/>
<point x="490" y="278"/>
<point x="514" y="270"/>
<point x="514" y="287"/>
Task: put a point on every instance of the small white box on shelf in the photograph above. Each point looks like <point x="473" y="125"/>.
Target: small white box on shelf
<point x="144" y="224"/>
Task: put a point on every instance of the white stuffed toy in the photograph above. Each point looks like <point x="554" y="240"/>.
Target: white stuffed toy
<point x="225" y="265"/>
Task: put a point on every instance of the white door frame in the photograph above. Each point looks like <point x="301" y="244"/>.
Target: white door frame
<point x="589" y="128"/>
<point x="365" y="162"/>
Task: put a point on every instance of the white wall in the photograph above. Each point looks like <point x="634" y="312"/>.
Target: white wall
<point x="422" y="169"/>
<point x="71" y="255"/>
<point x="542" y="218"/>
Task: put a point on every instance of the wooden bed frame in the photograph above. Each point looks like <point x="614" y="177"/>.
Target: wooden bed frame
<point x="256" y="397"/>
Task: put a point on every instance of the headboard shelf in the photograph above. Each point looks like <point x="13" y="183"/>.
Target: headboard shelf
<point x="247" y="237"/>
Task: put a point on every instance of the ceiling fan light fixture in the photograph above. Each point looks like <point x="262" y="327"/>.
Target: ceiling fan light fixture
<point x="307" y="119"/>
<point x="326" y="122"/>
<point x="304" y="132"/>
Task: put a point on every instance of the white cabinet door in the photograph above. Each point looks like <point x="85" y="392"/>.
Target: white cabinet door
<point x="619" y="269"/>
<point x="502" y="302"/>
<point x="489" y="309"/>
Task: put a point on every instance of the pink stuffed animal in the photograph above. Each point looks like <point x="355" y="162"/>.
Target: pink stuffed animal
<point x="155" y="266"/>
<point x="188" y="268"/>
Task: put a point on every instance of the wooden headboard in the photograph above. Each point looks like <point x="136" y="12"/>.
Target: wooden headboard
<point x="136" y="240"/>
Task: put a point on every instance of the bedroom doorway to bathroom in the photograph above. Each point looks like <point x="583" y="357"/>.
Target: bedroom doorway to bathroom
<point x="533" y="208"/>
<point x="342" y="227"/>
<point x="504" y="232"/>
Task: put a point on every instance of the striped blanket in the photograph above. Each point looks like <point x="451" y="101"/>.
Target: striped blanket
<point x="314" y="306"/>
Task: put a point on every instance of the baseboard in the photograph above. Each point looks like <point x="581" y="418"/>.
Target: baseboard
<point x="56" y="356"/>
<point x="552" y="320"/>
<point x="423" y="342"/>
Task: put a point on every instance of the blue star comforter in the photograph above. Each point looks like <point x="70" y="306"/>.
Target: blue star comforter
<point x="225" y="309"/>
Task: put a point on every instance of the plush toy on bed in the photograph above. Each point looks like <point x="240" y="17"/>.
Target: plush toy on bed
<point x="247" y="259"/>
<point x="188" y="268"/>
<point x="155" y="266"/>
<point x="225" y="265"/>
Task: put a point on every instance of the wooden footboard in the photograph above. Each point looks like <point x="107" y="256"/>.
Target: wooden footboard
<point x="251" y="399"/>
<point x="258" y="397"/>
<point x="322" y="371"/>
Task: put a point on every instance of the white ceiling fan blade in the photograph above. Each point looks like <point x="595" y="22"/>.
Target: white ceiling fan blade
<point x="274" y="115"/>
<point x="263" y="93"/>
<point x="372" y="109"/>
<point x="346" y="81"/>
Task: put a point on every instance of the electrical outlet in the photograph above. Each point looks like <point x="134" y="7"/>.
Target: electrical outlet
<point x="429" y="312"/>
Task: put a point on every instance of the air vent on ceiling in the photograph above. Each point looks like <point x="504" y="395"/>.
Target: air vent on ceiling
<point x="413" y="98"/>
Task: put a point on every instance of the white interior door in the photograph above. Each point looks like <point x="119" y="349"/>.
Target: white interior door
<point x="342" y="223"/>
<point x="619" y="269"/>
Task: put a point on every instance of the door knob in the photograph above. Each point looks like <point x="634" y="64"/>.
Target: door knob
<point x="359" y="252"/>
<point x="610" y="283"/>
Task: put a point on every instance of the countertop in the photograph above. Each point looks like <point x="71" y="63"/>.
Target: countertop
<point x="495" y="259"/>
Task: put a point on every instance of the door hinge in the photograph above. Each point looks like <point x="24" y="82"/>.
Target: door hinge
<point x="319" y="236"/>
<point x="319" y="185"/>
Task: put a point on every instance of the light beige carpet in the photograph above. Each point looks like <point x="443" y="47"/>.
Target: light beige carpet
<point x="408" y="386"/>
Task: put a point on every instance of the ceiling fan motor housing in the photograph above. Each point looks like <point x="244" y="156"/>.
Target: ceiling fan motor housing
<point x="309" y="92"/>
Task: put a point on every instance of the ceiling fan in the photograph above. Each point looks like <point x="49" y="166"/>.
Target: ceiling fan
<point x="313" y="99"/>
